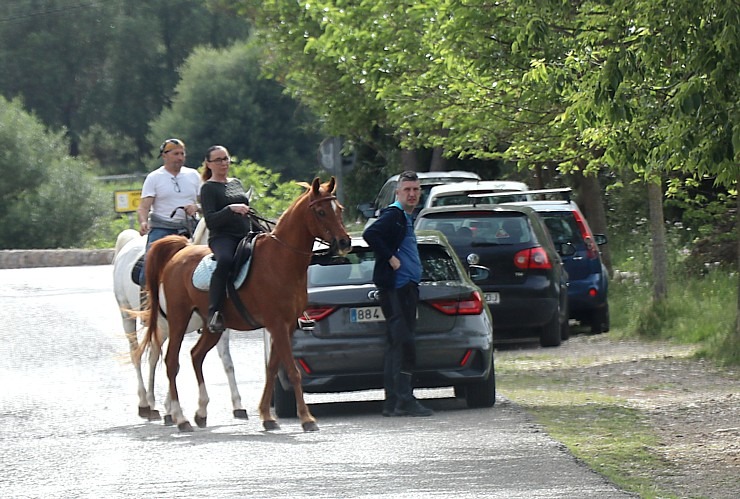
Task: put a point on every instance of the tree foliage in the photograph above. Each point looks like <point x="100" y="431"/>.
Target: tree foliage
<point x="49" y="199"/>
<point x="223" y="98"/>
<point x="112" y="64"/>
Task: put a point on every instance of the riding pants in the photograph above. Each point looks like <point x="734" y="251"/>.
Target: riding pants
<point x="223" y="248"/>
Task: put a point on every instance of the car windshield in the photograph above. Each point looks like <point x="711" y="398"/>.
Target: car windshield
<point x="479" y="229"/>
<point x="357" y="267"/>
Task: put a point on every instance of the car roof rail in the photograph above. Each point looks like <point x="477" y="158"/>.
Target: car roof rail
<point x="565" y="191"/>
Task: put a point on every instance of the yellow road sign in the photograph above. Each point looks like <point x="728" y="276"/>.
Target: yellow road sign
<point x="126" y="201"/>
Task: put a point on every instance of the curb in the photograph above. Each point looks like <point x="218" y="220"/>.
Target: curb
<point x="23" y="259"/>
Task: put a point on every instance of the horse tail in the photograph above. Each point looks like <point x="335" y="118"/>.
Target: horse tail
<point x="157" y="257"/>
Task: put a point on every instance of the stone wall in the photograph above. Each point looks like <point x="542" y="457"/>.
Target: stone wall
<point x="19" y="259"/>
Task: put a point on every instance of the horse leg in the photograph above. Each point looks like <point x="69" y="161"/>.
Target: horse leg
<point x="268" y="421"/>
<point x="129" y="326"/>
<point x="155" y="349"/>
<point x="172" y="362"/>
<point x="294" y="375"/>
<point x="198" y="354"/>
<point x="224" y="351"/>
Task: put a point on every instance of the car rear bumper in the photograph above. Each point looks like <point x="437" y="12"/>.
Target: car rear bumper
<point x="337" y="366"/>
<point x="579" y="298"/>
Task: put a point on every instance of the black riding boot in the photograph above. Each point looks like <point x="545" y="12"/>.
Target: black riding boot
<point x="216" y="295"/>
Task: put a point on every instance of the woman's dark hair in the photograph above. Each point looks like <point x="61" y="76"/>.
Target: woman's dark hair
<point x="207" y="173"/>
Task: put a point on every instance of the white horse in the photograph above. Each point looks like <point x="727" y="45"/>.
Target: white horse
<point x="130" y="245"/>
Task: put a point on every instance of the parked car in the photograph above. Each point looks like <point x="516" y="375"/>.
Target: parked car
<point x="387" y="193"/>
<point x="588" y="283"/>
<point x="525" y="283"/>
<point x="479" y="192"/>
<point x="343" y="349"/>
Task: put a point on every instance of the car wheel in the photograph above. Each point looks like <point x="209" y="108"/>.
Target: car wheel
<point x="565" y="330"/>
<point x="550" y="336"/>
<point x="459" y="391"/>
<point x="284" y="401"/>
<point x="482" y="393"/>
<point x="600" y="320"/>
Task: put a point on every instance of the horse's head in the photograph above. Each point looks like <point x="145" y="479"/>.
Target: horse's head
<point x="326" y="220"/>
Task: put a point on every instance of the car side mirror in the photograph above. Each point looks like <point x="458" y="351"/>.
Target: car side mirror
<point x="566" y="249"/>
<point x="479" y="272"/>
<point x="599" y="239"/>
<point x="367" y="209"/>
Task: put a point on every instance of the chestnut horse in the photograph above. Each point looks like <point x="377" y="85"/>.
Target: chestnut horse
<point x="274" y="294"/>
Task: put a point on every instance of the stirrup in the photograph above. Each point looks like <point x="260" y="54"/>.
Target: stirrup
<point x="216" y="324"/>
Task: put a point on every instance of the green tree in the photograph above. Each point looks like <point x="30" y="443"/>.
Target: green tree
<point x="222" y="98"/>
<point x="49" y="199"/>
<point x="112" y="64"/>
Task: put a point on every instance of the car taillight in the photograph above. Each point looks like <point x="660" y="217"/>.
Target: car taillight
<point x="472" y="305"/>
<point x="592" y="250"/>
<point x="532" y="258"/>
<point x="319" y="312"/>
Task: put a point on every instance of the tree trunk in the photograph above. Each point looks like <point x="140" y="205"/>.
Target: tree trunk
<point x="439" y="162"/>
<point x="657" y="230"/>
<point x="737" y="234"/>
<point x="592" y="204"/>
<point x="409" y="160"/>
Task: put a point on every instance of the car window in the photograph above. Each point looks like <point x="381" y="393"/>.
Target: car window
<point x="562" y="227"/>
<point x="357" y="267"/>
<point x="437" y="264"/>
<point x="464" y="198"/>
<point x="471" y="229"/>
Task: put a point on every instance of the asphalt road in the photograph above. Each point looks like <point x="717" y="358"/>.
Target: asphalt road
<point x="69" y="426"/>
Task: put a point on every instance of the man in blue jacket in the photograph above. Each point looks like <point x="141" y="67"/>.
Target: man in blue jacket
<point x="397" y="274"/>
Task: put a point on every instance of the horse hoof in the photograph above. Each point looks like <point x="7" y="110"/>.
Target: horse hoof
<point x="270" y="425"/>
<point x="144" y="412"/>
<point x="154" y="415"/>
<point x="185" y="427"/>
<point x="310" y="426"/>
<point x="200" y="421"/>
<point x="240" y="414"/>
<point x="168" y="421"/>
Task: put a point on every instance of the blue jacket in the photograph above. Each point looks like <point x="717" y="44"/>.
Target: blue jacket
<point x="384" y="237"/>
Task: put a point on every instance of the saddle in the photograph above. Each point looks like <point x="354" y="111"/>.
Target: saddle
<point x="239" y="270"/>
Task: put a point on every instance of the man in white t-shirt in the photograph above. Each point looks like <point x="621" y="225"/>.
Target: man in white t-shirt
<point x="171" y="186"/>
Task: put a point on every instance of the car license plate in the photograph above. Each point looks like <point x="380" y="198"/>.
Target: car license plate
<point x="493" y="298"/>
<point x="366" y="314"/>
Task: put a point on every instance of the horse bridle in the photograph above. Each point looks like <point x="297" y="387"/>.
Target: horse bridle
<point x="310" y="205"/>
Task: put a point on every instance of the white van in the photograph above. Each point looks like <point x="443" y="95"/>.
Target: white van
<point x="479" y="192"/>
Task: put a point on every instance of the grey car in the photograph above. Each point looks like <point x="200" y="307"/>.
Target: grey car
<point x="341" y="347"/>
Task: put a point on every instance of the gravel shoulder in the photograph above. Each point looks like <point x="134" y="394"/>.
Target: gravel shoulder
<point x="692" y="405"/>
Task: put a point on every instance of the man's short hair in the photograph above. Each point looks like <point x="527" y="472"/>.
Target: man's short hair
<point x="409" y="176"/>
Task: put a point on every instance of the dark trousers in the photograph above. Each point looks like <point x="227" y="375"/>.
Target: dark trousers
<point x="399" y="309"/>
<point x="223" y="248"/>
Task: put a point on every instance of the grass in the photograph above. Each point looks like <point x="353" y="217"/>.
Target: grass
<point x="598" y="429"/>
<point x="610" y="437"/>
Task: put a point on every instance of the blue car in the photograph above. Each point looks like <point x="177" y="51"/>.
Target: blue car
<point x="588" y="283"/>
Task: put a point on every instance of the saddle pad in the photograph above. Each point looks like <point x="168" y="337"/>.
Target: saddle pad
<point x="204" y="271"/>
